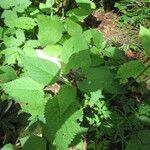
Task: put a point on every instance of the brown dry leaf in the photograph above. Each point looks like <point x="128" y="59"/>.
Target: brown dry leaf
<point x="54" y="88"/>
<point x="132" y="54"/>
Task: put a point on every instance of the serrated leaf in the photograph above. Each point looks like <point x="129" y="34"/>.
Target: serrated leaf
<point x="61" y="115"/>
<point x="69" y="129"/>
<point x="95" y="96"/>
<point x="25" y="23"/>
<point x="24" y="90"/>
<point x="41" y="70"/>
<point x="35" y="108"/>
<point x="6" y="4"/>
<point x="20" y="6"/>
<point x="11" y="41"/>
<point x="10" y="17"/>
<point x="29" y="46"/>
<point x="35" y="143"/>
<point x="50" y="29"/>
<point x="130" y="69"/>
<point x="12" y="55"/>
<point x="145" y="38"/>
<point x="8" y="73"/>
<point x="73" y="27"/>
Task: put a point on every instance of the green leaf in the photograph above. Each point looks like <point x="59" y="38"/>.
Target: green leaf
<point x="145" y="38"/>
<point x="96" y="78"/>
<point x="20" y="35"/>
<point x="8" y="74"/>
<point x="10" y="17"/>
<point x="114" y="53"/>
<point x="12" y="55"/>
<point x="53" y="50"/>
<point x="78" y="60"/>
<point x="6" y="4"/>
<point x="35" y="108"/>
<point x="50" y="29"/>
<point x="41" y="70"/>
<point x="24" y="90"/>
<point x="8" y="147"/>
<point x="79" y="13"/>
<point x="20" y="6"/>
<point x="72" y="46"/>
<point x="95" y="96"/>
<point x="35" y="143"/>
<point x="25" y="23"/>
<point x="144" y="120"/>
<point x="61" y="115"/>
<point x="11" y="41"/>
<point x="29" y="46"/>
<point x="73" y="27"/>
<point x="98" y="39"/>
<point x="130" y="69"/>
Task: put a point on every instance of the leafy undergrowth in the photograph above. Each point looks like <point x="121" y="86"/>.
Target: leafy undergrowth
<point x="64" y="86"/>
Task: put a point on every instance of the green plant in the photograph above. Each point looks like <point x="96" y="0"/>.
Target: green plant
<point x="81" y="91"/>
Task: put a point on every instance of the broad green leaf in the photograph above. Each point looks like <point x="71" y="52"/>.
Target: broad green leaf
<point x="61" y="115"/>
<point x="10" y="17"/>
<point x="50" y="29"/>
<point x="145" y="38"/>
<point x="114" y="53"/>
<point x="6" y="4"/>
<point x="11" y="41"/>
<point x="25" y="23"/>
<point x="35" y="108"/>
<point x="12" y="55"/>
<point x="24" y="90"/>
<point x="87" y="34"/>
<point x="53" y="50"/>
<point x="96" y="60"/>
<point x="21" y="5"/>
<point x="130" y="69"/>
<point x="72" y="46"/>
<point x="20" y="35"/>
<point x="8" y="74"/>
<point x="73" y="27"/>
<point x="41" y="70"/>
<point x="68" y="131"/>
<point x="78" y="60"/>
<point x="35" y="143"/>
<point x="79" y="13"/>
<point x="98" y="39"/>
<point x="96" y="78"/>
<point x="8" y="147"/>
<point x="32" y="44"/>
<point x="29" y="46"/>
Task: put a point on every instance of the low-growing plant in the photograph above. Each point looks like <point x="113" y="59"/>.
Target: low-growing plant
<point x="78" y="92"/>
